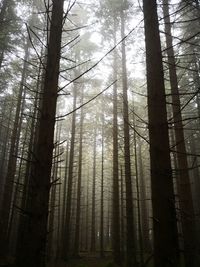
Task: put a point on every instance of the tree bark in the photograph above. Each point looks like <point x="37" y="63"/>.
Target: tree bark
<point x="102" y="254"/>
<point x="183" y="183"/>
<point x="115" y="198"/>
<point x="32" y="252"/>
<point x="130" y="231"/>
<point x="78" y="204"/>
<point x="66" y="243"/>
<point x="163" y="203"/>
<point x="93" y="226"/>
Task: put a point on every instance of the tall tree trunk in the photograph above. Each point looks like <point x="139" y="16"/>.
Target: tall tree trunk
<point x="65" y="194"/>
<point x="52" y="204"/>
<point x="196" y="186"/>
<point x="5" y="148"/>
<point x="115" y="197"/>
<point x="130" y="231"/>
<point x="33" y="247"/>
<point x="93" y="226"/>
<point x="78" y="204"/>
<point x="87" y="216"/>
<point x="141" y="245"/>
<point x="163" y="203"/>
<point x="102" y="184"/>
<point x="66" y="244"/>
<point x="143" y="196"/>
<point x="122" y="235"/>
<point x="183" y="184"/>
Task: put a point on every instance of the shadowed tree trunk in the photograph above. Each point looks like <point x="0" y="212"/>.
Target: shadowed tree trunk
<point x="143" y="196"/>
<point x="163" y="202"/>
<point x="141" y="245"/>
<point x="5" y="148"/>
<point x="32" y="251"/>
<point x="183" y="183"/>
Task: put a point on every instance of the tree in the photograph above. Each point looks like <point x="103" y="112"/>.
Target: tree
<point x="163" y="202"/>
<point x="11" y="169"/>
<point x="116" y="206"/>
<point x="34" y="243"/>
<point x="183" y="183"/>
<point x="130" y="231"/>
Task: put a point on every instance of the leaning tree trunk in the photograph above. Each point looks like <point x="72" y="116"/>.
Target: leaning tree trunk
<point x="163" y="202"/>
<point x="32" y="252"/>
<point x="183" y="183"/>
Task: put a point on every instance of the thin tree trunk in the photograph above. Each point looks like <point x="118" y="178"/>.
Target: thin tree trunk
<point x="93" y="226"/>
<point x="78" y="204"/>
<point x="143" y="196"/>
<point x="102" y="186"/>
<point x="122" y="214"/>
<point x="66" y="244"/>
<point x="3" y="163"/>
<point x="130" y="232"/>
<point x="52" y="204"/>
<point x="141" y="245"/>
<point x="115" y="197"/>
<point x="65" y="193"/>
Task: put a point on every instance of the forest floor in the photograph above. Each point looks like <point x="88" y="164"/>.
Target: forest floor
<point x="85" y="261"/>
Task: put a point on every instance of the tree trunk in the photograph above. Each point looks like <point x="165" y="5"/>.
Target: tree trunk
<point x="130" y="231"/>
<point x="141" y="245"/>
<point x="102" y="184"/>
<point x="163" y="202"/>
<point x="78" y="204"/>
<point x="32" y="252"/>
<point x="66" y="244"/>
<point x="144" y="208"/>
<point x="183" y="183"/>
<point x="93" y="226"/>
<point x="115" y="197"/>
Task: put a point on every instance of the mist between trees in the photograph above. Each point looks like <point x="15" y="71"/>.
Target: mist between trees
<point x="99" y="133"/>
